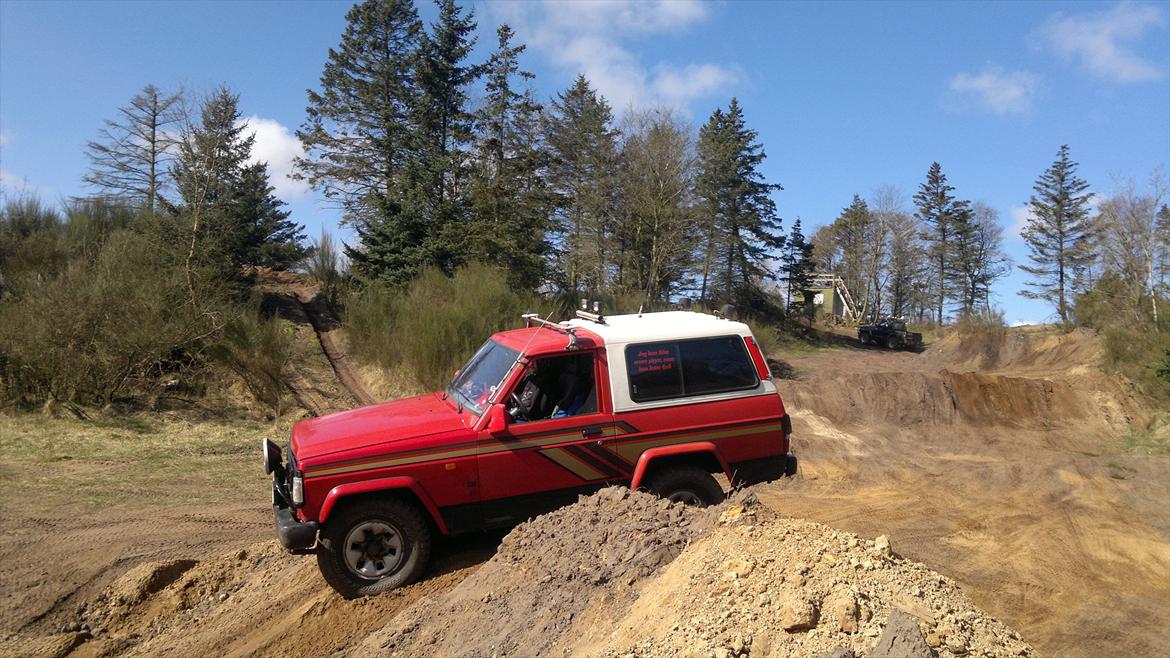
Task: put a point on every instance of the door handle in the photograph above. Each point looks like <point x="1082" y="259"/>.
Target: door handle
<point x="591" y="432"/>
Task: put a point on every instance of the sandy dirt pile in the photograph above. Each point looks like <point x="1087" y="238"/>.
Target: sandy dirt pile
<point x="626" y="574"/>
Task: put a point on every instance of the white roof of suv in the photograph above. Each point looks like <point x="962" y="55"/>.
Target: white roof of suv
<point x="667" y="325"/>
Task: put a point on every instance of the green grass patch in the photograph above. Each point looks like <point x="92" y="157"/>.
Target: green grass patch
<point x="1152" y="441"/>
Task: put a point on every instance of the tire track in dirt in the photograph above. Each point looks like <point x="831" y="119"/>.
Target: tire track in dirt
<point x="324" y="325"/>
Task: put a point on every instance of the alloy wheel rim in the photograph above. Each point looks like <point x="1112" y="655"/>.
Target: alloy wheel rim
<point x="686" y="497"/>
<point x="374" y="549"/>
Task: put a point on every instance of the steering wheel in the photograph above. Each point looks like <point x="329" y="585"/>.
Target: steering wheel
<point x="519" y="414"/>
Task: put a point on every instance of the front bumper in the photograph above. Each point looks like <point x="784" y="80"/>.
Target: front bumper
<point x="296" y="536"/>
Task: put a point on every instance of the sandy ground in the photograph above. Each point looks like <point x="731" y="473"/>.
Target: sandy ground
<point x="1006" y="472"/>
<point x="1013" y="481"/>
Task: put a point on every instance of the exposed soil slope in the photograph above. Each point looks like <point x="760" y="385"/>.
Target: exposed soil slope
<point x="1012" y="479"/>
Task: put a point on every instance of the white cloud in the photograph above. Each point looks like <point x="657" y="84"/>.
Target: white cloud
<point x="16" y="185"/>
<point x="1103" y="41"/>
<point x="993" y="90"/>
<point x="1020" y="217"/>
<point x="1023" y="323"/>
<point x="587" y="37"/>
<point x="277" y="145"/>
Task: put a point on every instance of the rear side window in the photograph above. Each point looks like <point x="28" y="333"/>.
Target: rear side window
<point x="654" y="371"/>
<point x="673" y="369"/>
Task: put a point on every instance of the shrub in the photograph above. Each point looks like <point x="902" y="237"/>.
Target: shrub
<point x="103" y="328"/>
<point x="326" y="266"/>
<point x="989" y="323"/>
<point x="256" y="350"/>
<point x="1134" y="346"/>
<point x="435" y="324"/>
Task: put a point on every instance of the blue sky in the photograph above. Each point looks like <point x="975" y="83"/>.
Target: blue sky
<point x="846" y="96"/>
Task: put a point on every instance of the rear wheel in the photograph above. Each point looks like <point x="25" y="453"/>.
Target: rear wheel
<point x="374" y="546"/>
<point x="892" y="342"/>
<point x="686" y="484"/>
<point x="864" y="338"/>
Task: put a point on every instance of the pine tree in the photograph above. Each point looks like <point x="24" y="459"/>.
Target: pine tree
<point x="1059" y="234"/>
<point x="744" y="230"/>
<point x="362" y="143"/>
<point x="796" y="265"/>
<point x="444" y="127"/>
<point x="938" y="210"/>
<point x="131" y="158"/>
<point x="235" y="218"/>
<point x="267" y="237"/>
<point x="509" y="196"/>
<point x="213" y="153"/>
<point x="583" y="158"/>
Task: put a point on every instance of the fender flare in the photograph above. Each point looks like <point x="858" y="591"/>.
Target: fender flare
<point x="336" y="494"/>
<point x="670" y="451"/>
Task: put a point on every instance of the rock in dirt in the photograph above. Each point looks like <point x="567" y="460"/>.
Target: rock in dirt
<point x="901" y="639"/>
<point x="798" y="612"/>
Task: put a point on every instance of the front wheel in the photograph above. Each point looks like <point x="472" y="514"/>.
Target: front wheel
<point x="864" y="338"/>
<point x="688" y="484"/>
<point x="892" y="342"/>
<point x="373" y="547"/>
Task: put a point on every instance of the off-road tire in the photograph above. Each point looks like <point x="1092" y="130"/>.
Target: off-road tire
<point x="686" y="483"/>
<point x="404" y="517"/>
<point x="863" y="339"/>
<point x="892" y="342"/>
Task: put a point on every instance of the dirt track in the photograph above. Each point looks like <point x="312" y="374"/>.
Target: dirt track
<point x="1011" y="481"/>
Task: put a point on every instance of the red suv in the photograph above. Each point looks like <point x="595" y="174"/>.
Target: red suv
<point x="538" y="416"/>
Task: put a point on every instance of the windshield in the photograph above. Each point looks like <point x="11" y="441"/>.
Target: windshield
<point x="476" y="382"/>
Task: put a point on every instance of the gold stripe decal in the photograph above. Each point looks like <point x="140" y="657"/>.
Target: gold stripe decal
<point x="571" y="463"/>
<point x="628" y="450"/>
<point x="632" y="449"/>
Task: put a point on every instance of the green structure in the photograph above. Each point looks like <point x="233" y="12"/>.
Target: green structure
<point x="826" y="295"/>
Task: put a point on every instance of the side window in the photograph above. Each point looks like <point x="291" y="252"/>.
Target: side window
<point x="556" y="387"/>
<point x="715" y="365"/>
<point x="654" y="371"/>
<point x="660" y="371"/>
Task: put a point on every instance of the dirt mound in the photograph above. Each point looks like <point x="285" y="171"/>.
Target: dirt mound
<point x="1032" y="349"/>
<point x="977" y="399"/>
<point x="550" y="579"/>
<point x="1037" y="379"/>
<point x="624" y="573"/>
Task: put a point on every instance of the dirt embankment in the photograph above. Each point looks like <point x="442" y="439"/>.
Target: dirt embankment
<point x="1000" y="461"/>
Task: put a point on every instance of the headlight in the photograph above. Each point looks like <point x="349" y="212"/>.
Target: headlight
<point x="271" y="454"/>
<point x="298" y="491"/>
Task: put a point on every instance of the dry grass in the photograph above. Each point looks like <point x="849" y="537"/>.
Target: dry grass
<point x="130" y="462"/>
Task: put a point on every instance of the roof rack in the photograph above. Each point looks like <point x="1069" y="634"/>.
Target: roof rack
<point x="533" y="318"/>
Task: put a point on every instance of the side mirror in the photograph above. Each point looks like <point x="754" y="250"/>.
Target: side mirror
<point x="497" y="419"/>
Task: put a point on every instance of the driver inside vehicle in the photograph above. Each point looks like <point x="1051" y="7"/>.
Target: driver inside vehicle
<point x="557" y="387"/>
